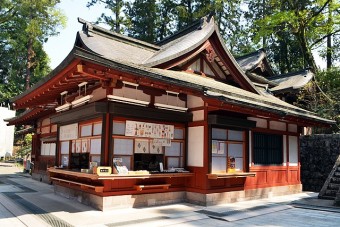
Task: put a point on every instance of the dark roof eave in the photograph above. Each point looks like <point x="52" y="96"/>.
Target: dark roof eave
<point x="69" y="58"/>
<point x="284" y="114"/>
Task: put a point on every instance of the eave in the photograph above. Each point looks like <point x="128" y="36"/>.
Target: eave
<point x="29" y="116"/>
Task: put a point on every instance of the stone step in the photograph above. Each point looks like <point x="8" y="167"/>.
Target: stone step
<point x="336" y="174"/>
<point x="335" y="180"/>
<point x="333" y="186"/>
<point x="326" y="197"/>
<point x="331" y="192"/>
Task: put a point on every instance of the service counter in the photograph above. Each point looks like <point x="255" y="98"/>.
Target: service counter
<point x="118" y="182"/>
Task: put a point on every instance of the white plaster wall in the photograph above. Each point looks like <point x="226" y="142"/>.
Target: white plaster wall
<point x="292" y="127"/>
<point x="196" y="66"/>
<point x="195" y="146"/>
<point x="169" y="100"/>
<point x="260" y="123"/>
<point x="131" y="93"/>
<point x="293" y="151"/>
<point x="250" y="148"/>
<point x="193" y="101"/>
<point x="98" y="94"/>
<point x="276" y="125"/>
<point x="6" y="132"/>
<point x="198" y="115"/>
<point x="284" y="150"/>
<point x="46" y="121"/>
<point x="207" y="69"/>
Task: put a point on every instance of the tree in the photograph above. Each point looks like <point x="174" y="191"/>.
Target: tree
<point x="305" y="20"/>
<point x="142" y="17"/>
<point x="117" y="23"/>
<point x="22" y="58"/>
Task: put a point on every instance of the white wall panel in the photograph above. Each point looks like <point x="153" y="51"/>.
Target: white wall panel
<point x="196" y="146"/>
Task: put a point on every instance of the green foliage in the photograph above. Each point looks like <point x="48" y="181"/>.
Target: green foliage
<point x="299" y="25"/>
<point x="24" y="26"/>
<point x="322" y="96"/>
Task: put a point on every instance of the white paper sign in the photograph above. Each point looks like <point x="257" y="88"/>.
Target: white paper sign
<point x="68" y="132"/>
<point x="149" y="130"/>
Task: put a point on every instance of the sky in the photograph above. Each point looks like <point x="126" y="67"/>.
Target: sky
<point x="58" y="47"/>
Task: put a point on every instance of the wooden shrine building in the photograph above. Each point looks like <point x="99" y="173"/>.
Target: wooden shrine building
<point x="121" y="122"/>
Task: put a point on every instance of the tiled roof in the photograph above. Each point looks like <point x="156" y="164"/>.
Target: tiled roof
<point x="112" y="45"/>
<point x="183" y="44"/>
<point x="250" y="61"/>
<point x="291" y="81"/>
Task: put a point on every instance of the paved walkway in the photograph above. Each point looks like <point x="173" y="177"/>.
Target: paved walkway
<point x="25" y="202"/>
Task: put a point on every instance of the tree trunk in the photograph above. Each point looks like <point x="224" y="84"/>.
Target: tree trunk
<point x="30" y="55"/>
<point x="117" y="12"/>
<point x="329" y="52"/>
<point x="306" y="52"/>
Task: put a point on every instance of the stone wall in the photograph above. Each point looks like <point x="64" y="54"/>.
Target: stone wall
<point x="318" y="155"/>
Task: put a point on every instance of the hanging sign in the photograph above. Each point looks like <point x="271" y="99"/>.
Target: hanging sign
<point x="68" y="132"/>
<point x="149" y="130"/>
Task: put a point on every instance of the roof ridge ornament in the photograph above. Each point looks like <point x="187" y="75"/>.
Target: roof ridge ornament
<point x="86" y="27"/>
<point x="205" y="20"/>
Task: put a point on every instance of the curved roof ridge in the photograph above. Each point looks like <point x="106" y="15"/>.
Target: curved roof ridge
<point x="87" y="26"/>
<point x="299" y="72"/>
<point x="183" y="44"/>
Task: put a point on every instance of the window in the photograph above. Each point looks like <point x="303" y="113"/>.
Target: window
<point x="48" y="149"/>
<point x="227" y="150"/>
<point x="268" y="149"/>
<point x="77" y="152"/>
<point x="139" y="149"/>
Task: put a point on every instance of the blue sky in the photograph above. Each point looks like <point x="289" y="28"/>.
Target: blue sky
<point x="58" y="47"/>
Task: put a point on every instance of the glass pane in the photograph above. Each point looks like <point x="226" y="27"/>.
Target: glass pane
<point x="235" y="150"/>
<point x="86" y="130"/>
<point x="219" y="148"/>
<point x="173" y="162"/>
<point x="64" y="147"/>
<point x="174" y="150"/>
<point x="84" y="146"/>
<point x="179" y="133"/>
<point x="52" y="149"/>
<point x="64" y="160"/>
<point x="235" y="135"/>
<point x="97" y="129"/>
<point x="239" y="164"/>
<point x="96" y="158"/>
<point x="219" y="134"/>
<point x="126" y="161"/>
<point x="218" y="164"/>
<point x="123" y="146"/>
<point x="96" y="146"/>
<point x="118" y="128"/>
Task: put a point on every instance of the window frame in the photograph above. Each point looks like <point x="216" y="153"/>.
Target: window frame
<point x="269" y="138"/>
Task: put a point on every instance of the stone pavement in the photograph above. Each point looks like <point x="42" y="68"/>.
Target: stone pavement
<point x="26" y="202"/>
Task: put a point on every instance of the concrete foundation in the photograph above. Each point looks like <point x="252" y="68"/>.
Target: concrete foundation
<point x="238" y="196"/>
<point x="145" y="200"/>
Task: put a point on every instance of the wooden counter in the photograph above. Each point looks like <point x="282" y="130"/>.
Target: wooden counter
<point x="117" y="176"/>
<point x="215" y="176"/>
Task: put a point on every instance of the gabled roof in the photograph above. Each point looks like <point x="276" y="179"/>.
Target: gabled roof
<point x="113" y="45"/>
<point x="291" y="82"/>
<point x="87" y="52"/>
<point x="256" y="62"/>
<point x="181" y="45"/>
